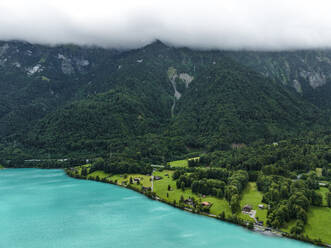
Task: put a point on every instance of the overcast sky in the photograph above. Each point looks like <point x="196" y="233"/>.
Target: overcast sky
<point x="231" y="24"/>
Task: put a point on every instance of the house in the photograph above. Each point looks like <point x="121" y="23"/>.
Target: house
<point x="157" y="178"/>
<point x="146" y="188"/>
<point x="260" y="223"/>
<point x="136" y="179"/>
<point x="206" y="204"/>
<point x="247" y="208"/>
<point x="261" y="206"/>
<point x="189" y="201"/>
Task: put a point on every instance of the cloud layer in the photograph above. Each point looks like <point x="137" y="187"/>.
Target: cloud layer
<point x="208" y="24"/>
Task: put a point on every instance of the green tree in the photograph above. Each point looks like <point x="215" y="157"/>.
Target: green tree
<point x="182" y="186"/>
<point x="99" y="164"/>
<point x="298" y="228"/>
<point x="317" y="198"/>
<point x="84" y="171"/>
<point x="222" y="215"/>
<point x="328" y="198"/>
<point x="235" y="203"/>
<point x="250" y="225"/>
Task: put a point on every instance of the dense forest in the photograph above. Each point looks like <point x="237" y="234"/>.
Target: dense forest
<point x="157" y="103"/>
<point x="285" y="172"/>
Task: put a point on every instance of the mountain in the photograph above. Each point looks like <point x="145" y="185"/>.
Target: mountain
<point x="307" y="72"/>
<point x="229" y="103"/>
<point x="35" y="80"/>
<point x="156" y="102"/>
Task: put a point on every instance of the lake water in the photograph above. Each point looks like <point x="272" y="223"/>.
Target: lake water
<point x="47" y="209"/>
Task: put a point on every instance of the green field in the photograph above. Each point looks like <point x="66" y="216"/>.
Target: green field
<point x="144" y="180"/>
<point x="253" y="197"/>
<point x="1" y="167"/>
<point x="101" y="175"/>
<point x="250" y="196"/>
<point x="319" y="172"/>
<point x="319" y="219"/>
<point x="161" y="189"/>
<point x="179" y="163"/>
<point x="323" y="191"/>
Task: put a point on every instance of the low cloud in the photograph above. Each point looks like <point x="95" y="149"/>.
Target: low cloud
<point x="219" y="24"/>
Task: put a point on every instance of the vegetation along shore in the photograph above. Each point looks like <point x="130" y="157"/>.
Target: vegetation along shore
<point x="258" y="200"/>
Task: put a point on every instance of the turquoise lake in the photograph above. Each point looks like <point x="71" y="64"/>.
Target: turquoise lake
<point x="47" y="209"/>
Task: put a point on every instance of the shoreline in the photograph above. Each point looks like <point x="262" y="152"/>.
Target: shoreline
<point x="256" y="228"/>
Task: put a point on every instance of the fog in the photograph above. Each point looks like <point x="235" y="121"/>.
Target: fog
<point x="232" y="24"/>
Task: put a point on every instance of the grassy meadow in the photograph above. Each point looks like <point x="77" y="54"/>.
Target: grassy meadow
<point x="251" y="196"/>
<point x="319" y="218"/>
<point x="323" y="191"/>
<point x="179" y="163"/>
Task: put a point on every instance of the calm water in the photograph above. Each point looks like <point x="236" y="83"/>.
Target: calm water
<point x="46" y="209"/>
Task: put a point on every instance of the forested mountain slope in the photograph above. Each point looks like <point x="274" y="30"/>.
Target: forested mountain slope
<point x="229" y="103"/>
<point x="76" y="100"/>
<point x="35" y="80"/>
<point x="308" y="72"/>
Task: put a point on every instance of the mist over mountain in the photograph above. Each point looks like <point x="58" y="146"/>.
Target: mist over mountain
<point x="237" y="24"/>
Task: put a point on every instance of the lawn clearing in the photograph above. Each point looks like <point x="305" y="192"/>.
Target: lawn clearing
<point x="144" y="180"/>
<point x="323" y="191"/>
<point x="100" y="174"/>
<point x="251" y="196"/>
<point x="179" y="163"/>
<point x="161" y="189"/>
<point x="319" y="219"/>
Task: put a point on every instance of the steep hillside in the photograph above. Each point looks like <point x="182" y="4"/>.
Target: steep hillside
<point x="205" y="103"/>
<point x="156" y="101"/>
<point x="229" y="103"/>
<point x="35" y="79"/>
<point x="307" y="72"/>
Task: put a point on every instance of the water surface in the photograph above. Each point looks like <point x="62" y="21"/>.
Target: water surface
<point x="47" y="209"/>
